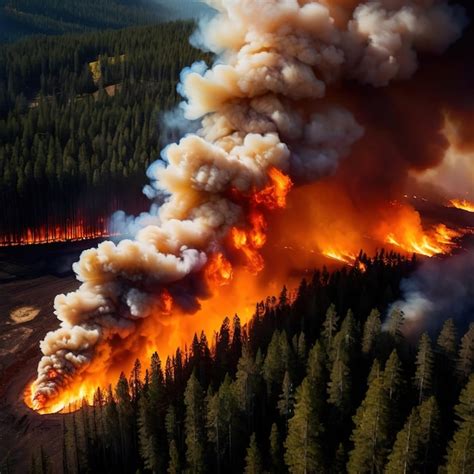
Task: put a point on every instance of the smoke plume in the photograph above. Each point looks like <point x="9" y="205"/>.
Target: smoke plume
<point x="438" y="290"/>
<point x="268" y="122"/>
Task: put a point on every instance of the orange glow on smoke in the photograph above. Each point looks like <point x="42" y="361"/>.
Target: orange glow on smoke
<point x="47" y="235"/>
<point x="462" y="204"/>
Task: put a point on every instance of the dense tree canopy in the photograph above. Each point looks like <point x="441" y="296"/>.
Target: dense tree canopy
<point x="266" y="415"/>
<point x="80" y="121"/>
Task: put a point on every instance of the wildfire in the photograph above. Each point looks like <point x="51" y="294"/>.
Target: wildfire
<point x="462" y="204"/>
<point x="439" y="240"/>
<point x="219" y="270"/>
<point x="166" y="301"/>
<point x="250" y="241"/>
<point x="48" y="235"/>
<point x="274" y="196"/>
<point x="346" y="258"/>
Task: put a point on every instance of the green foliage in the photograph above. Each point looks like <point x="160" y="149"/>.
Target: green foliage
<point x="303" y="452"/>
<point x="371" y="434"/>
<point x="465" y="363"/>
<point x="371" y="332"/>
<point x="424" y="367"/>
<point x="73" y="150"/>
<point x="253" y="460"/>
<point x="460" y="459"/>
<point x="164" y="423"/>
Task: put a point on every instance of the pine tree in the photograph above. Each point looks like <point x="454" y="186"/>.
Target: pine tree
<point x="339" y="387"/>
<point x="174" y="464"/>
<point x="393" y="327"/>
<point x="248" y="383"/>
<point x="222" y="420"/>
<point x="316" y="375"/>
<point x="286" y="401"/>
<point x="372" y="328"/>
<point x="277" y="361"/>
<point x="194" y="425"/>
<point x="404" y="453"/>
<point x="393" y="376"/>
<point x="330" y="326"/>
<point x="275" y="449"/>
<point x="424" y="367"/>
<point x="253" y="460"/>
<point x="465" y="363"/>
<point x="371" y="434"/>
<point x="460" y="459"/>
<point x="429" y="432"/>
<point x="446" y="342"/>
<point x="445" y="362"/>
<point x="303" y="453"/>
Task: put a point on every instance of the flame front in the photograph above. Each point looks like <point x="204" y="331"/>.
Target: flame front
<point x="462" y="204"/>
<point x="55" y="234"/>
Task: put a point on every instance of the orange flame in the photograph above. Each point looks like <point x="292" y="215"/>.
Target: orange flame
<point x="346" y="258"/>
<point x="47" y="234"/>
<point x="251" y="241"/>
<point x="274" y="196"/>
<point x="219" y="271"/>
<point x="462" y="204"/>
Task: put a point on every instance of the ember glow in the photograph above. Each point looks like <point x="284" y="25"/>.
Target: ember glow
<point x="462" y="204"/>
<point x="270" y="125"/>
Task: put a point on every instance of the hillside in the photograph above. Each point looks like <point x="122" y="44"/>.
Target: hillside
<point x="87" y="108"/>
<point x="19" y="18"/>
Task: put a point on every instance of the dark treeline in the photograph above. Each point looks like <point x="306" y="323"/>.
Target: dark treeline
<point x="19" y="18"/>
<point x="79" y="122"/>
<point x="312" y="385"/>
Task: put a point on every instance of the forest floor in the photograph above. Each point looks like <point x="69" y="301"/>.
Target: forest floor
<point x="27" y="292"/>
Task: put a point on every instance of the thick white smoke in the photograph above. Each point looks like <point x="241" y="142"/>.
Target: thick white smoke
<point x="258" y="106"/>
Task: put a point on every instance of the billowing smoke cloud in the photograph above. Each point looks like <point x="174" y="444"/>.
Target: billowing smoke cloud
<point x="264" y="119"/>
<point x="439" y="290"/>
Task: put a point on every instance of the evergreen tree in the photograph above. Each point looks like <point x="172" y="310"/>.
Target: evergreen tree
<point x="285" y="403"/>
<point x="372" y="328"/>
<point x="303" y="452"/>
<point x="371" y="434"/>
<point x="277" y="361"/>
<point x="330" y="326"/>
<point x="404" y="453"/>
<point x="460" y="459"/>
<point x="194" y="425"/>
<point x="429" y="431"/>
<point x="339" y="387"/>
<point x="276" y="459"/>
<point x="393" y="377"/>
<point x="253" y="460"/>
<point x="465" y="363"/>
<point x="424" y="367"/>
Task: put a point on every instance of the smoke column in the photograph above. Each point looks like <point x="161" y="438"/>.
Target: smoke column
<point x="266" y="124"/>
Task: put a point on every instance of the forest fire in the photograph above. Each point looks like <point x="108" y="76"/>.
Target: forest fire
<point x="462" y="204"/>
<point x="269" y="125"/>
<point x="56" y="234"/>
